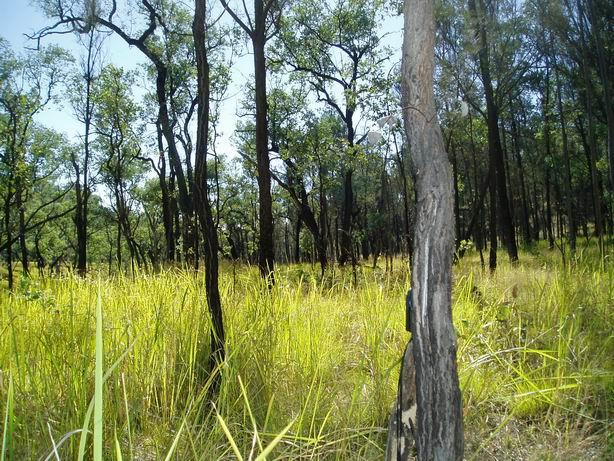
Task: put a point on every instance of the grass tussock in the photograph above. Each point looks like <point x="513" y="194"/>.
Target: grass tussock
<point x="312" y="365"/>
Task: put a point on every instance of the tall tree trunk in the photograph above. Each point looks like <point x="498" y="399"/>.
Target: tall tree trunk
<point x="82" y="182"/>
<point x="457" y="222"/>
<point x="526" y="228"/>
<point x="167" y="208"/>
<point x="566" y="160"/>
<point x="21" y="229"/>
<point x="297" y="237"/>
<point x="494" y="139"/>
<point x="9" y="238"/>
<point x="201" y="195"/>
<point x="596" y="21"/>
<point x="265" y="242"/>
<point x="549" y="231"/>
<point x="345" y="245"/>
<point x="323" y="221"/>
<point x="439" y="431"/>
<point x="404" y="193"/>
<point x="592" y="141"/>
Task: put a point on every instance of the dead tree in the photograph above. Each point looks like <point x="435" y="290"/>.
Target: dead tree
<point x="439" y="425"/>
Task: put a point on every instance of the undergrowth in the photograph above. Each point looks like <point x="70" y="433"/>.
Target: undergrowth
<point x="312" y="365"/>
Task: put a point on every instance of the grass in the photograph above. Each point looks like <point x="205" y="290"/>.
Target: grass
<point x="312" y="366"/>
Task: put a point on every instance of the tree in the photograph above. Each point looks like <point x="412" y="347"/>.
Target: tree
<point x="341" y="62"/>
<point x="260" y="28"/>
<point x="83" y="106"/>
<point x="72" y="17"/>
<point x="27" y="85"/>
<point x="201" y="192"/>
<point x="439" y="431"/>
<point x="498" y="183"/>
<point x="117" y="129"/>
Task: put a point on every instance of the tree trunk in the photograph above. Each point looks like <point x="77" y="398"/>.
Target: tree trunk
<point x="568" y="184"/>
<point x="22" y="229"/>
<point x="597" y="26"/>
<point x="345" y="250"/>
<point x="406" y="222"/>
<point x="457" y="222"/>
<point x="526" y="228"/>
<point x="494" y="142"/>
<point x="592" y="141"/>
<point x="265" y="242"/>
<point x="82" y="183"/>
<point x="167" y="208"/>
<point x="201" y="194"/>
<point x="439" y="431"/>
<point x="9" y="239"/>
<point x="297" y="237"/>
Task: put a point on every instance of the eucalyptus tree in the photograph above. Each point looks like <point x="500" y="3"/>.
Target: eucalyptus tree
<point x="305" y="143"/>
<point x="571" y="41"/>
<point x="27" y="85"/>
<point x="152" y="16"/>
<point x="484" y="16"/>
<point x="336" y="47"/>
<point x="116" y="125"/>
<point x="202" y="194"/>
<point x="80" y="97"/>
<point x="260" y="25"/>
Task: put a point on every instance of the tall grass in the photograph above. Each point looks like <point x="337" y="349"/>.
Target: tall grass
<point x="312" y="365"/>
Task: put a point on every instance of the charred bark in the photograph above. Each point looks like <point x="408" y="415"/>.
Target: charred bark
<point x="439" y="431"/>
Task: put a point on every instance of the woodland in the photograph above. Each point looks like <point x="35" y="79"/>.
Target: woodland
<point x="215" y="264"/>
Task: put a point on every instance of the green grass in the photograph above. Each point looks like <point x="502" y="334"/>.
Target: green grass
<point x="312" y="366"/>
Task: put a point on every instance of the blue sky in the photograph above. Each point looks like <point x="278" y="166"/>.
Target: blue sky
<point x="18" y="17"/>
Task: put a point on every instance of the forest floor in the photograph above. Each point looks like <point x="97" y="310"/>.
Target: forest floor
<point x="312" y="365"/>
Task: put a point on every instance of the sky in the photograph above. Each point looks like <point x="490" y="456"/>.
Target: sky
<point x="20" y="17"/>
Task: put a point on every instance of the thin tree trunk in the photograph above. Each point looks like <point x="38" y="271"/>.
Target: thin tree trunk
<point x="345" y="251"/>
<point x="167" y="208"/>
<point x="457" y="222"/>
<point x="604" y="75"/>
<point x="297" y="237"/>
<point x="566" y="160"/>
<point x="82" y="183"/>
<point x="266" y="252"/>
<point x="526" y="228"/>
<point x="592" y="142"/>
<point x="494" y="144"/>
<point x="9" y="241"/>
<point x="22" y="230"/>
<point x="201" y="192"/>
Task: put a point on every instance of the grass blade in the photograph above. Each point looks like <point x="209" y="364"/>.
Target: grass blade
<point x="118" y="450"/>
<point x="175" y="442"/>
<point x="267" y="451"/>
<point x="7" y="433"/>
<point x="90" y="408"/>
<point x="233" y="445"/>
<point x="99" y="383"/>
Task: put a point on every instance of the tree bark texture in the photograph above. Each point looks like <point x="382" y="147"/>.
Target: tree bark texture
<point x="201" y="195"/>
<point x="402" y="423"/>
<point x="439" y="431"/>
<point x="265" y="245"/>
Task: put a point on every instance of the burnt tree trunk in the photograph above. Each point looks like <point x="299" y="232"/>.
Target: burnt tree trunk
<point x="265" y="241"/>
<point x="201" y="194"/>
<point x="439" y="424"/>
